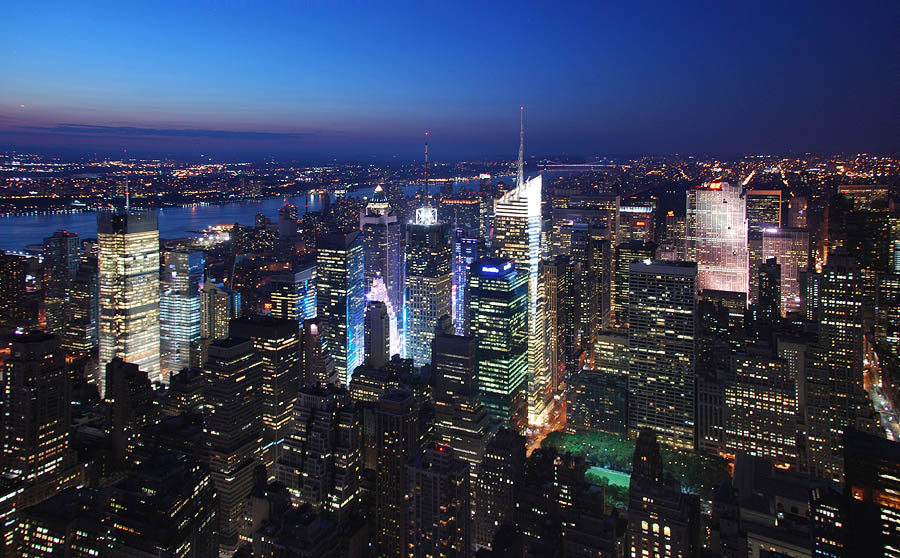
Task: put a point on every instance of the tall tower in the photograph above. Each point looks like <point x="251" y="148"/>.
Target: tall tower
<point x="62" y="256"/>
<point x="294" y="294"/>
<point x="517" y="237"/>
<point x="377" y="334"/>
<point x="179" y="311"/>
<point x="428" y="281"/>
<point x="384" y="257"/>
<point x="716" y="236"/>
<point x="438" y="490"/>
<point x="128" y="260"/>
<point x="397" y="428"/>
<point x="341" y="301"/>
<point x="662" y="347"/>
<point x="498" y="318"/>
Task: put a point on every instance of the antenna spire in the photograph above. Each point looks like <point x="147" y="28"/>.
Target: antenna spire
<point x="520" y="176"/>
<point x="427" y="199"/>
<point x="127" y="197"/>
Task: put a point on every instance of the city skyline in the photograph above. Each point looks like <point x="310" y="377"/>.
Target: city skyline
<point x="366" y="82"/>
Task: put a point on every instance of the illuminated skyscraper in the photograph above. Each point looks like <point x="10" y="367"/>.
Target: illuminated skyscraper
<point x="637" y="219"/>
<point x="763" y="212"/>
<point x="13" y="269"/>
<point x="397" y="430"/>
<point x="61" y="255"/>
<point x="179" y="311"/>
<point x="128" y="260"/>
<point x="465" y="251"/>
<point x="218" y="306"/>
<point x="277" y="341"/>
<point x="716" y="236"/>
<point x="341" y="301"/>
<point x="790" y="247"/>
<point x="428" y="282"/>
<point x="233" y="430"/>
<point x="498" y="307"/>
<point x="294" y="294"/>
<point x="381" y="237"/>
<point x="662" y="346"/>
<point x="378" y="328"/>
<point x="81" y="331"/>
<point x="517" y="237"/>
<point x="438" y="494"/>
<point x="626" y="254"/>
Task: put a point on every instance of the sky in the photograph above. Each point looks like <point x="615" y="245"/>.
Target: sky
<point x="365" y="80"/>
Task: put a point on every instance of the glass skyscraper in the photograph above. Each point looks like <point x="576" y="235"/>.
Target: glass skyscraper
<point x="294" y="294"/>
<point x="498" y="306"/>
<point x="341" y="301"/>
<point x="428" y="279"/>
<point x="716" y="236"/>
<point x="517" y="237"/>
<point x="128" y="261"/>
<point x="179" y="311"/>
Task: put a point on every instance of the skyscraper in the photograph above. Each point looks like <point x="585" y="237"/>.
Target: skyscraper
<point x="382" y="242"/>
<point x="37" y="447"/>
<point x="378" y="328"/>
<point x="12" y="288"/>
<point x="320" y="464"/>
<point x="428" y="281"/>
<point x="81" y="331"/>
<point x="294" y="294"/>
<point x="763" y="212"/>
<point x="465" y="251"/>
<point x="129" y="396"/>
<point x="517" y="237"/>
<point x="716" y="236"/>
<point x="498" y="483"/>
<point x="277" y="341"/>
<point x="62" y="256"/>
<point x="790" y="247"/>
<point x="498" y="317"/>
<point x="180" y="317"/>
<point x="218" y="306"/>
<point x="662" y="345"/>
<point x="871" y="490"/>
<point x="341" y="301"/>
<point x="439" y="517"/>
<point x="626" y="254"/>
<point x="233" y="430"/>
<point x="128" y="260"/>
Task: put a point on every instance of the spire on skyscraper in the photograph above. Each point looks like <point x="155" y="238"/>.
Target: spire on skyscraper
<point x="520" y="175"/>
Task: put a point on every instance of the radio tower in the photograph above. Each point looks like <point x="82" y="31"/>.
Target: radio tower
<point x="427" y="198"/>
<point x="520" y="176"/>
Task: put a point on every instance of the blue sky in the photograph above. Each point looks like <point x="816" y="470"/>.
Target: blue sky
<point x="366" y="79"/>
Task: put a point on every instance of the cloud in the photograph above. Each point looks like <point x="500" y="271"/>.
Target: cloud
<point x="134" y="132"/>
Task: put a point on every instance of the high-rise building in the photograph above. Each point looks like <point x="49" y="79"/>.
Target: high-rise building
<point x="498" y="300"/>
<point x="626" y="254"/>
<point x="218" y="306"/>
<point x="763" y="212"/>
<point x="836" y="398"/>
<point x="716" y="236"/>
<point x="662" y="346"/>
<point x="129" y="396"/>
<point x="13" y="269"/>
<point x="397" y="426"/>
<point x="597" y="402"/>
<point x="461" y="212"/>
<point x="233" y="430"/>
<point x="465" y="251"/>
<point x="769" y="284"/>
<point x="341" y="301"/>
<point x="382" y="241"/>
<point x="37" y="447"/>
<point x="378" y="329"/>
<point x="128" y="260"/>
<point x="294" y="294"/>
<point x="62" y="256"/>
<point x="887" y="312"/>
<point x="662" y="520"/>
<point x="320" y="464"/>
<point x="428" y="282"/>
<point x="318" y="365"/>
<point x="438" y="490"/>
<point x="790" y="247"/>
<point x="84" y="310"/>
<point x="287" y="221"/>
<point x="517" y="237"/>
<point x="637" y="220"/>
<point x="871" y="488"/>
<point x="277" y="341"/>
<point x="761" y="408"/>
<point x="461" y="421"/>
<point x="498" y="483"/>
<point x="180" y="317"/>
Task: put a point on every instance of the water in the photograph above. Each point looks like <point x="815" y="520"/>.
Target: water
<point x="18" y="232"/>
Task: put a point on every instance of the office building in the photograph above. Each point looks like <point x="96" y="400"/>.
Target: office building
<point x="871" y="488"/>
<point x="790" y="248"/>
<point x="218" y="306"/>
<point x="321" y="461"/>
<point x="383" y="246"/>
<point x="37" y="418"/>
<point x="662" y="346"/>
<point x="626" y="254"/>
<point x="378" y="330"/>
<point x="716" y="236"/>
<point x="887" y="312"/>
<point x="80" y="337"/>
<point x="341" y="301"/>
<point x="637" y="220"/>
<point x="428" y="284"/>
<point x="294" y="294"/>
<point x="597" y="402"/>
<point x="277" y="341"/>
<point x="517" y="237"/>
<point x="438" y="489"/>
<point x="129" y="397"/>
<point x="465" y="251"/>
<point x="61" y="258"/>
<point x="397" y="427"/>
<point x="498" y="316"/>
<point x="128" y="260"/>
<point x="13" y="307"/>
<point x="769" y="299"/>
<point x="233" y="430"/>
<point x="180" y="319"/>
<point x="498" y="483"/>
<point x="662" y="520"/>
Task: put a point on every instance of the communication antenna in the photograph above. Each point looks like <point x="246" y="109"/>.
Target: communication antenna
<point x="520" y="176"/>
<point x="127" y="198"/>
<point x="427" y="199"/>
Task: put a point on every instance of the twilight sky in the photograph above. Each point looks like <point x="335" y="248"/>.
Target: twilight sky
<point x="354" y="80"/>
